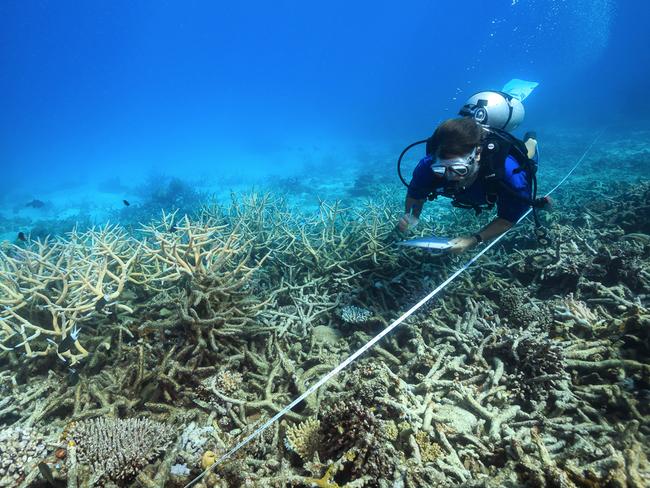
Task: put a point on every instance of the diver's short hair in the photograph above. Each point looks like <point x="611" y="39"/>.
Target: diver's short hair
<point x="455" y="137"/>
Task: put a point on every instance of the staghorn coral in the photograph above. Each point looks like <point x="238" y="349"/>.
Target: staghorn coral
<point x="439" y="378"/>
<point x="214" y="266"/>
<point x="52" y="289"/>
<point x="117" y="449"/>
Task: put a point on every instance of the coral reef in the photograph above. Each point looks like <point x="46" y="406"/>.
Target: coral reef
<point x="531" y="370"/>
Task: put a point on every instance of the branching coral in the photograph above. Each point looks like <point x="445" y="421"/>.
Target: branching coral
<point x="304" y="438"/>
<point x="214" y="263"/>
<point x="117" y="449"/>
<point x="237" y="311"/>
<point x="52" y="289"/>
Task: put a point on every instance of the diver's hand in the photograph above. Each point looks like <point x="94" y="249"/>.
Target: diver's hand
<point x="461" y="244"/>
<point x="548" y="203"/>
<point x="408" y="221"/>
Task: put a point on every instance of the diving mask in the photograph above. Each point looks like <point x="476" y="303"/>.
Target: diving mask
<point x="455" y="169"/>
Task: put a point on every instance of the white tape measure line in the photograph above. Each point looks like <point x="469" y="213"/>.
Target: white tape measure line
<point x="378" y="337"/>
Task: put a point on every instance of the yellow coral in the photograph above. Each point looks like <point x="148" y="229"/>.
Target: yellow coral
<point x="429" y="451"/>
<point x="390" y="430"/>
<point x="324" y="482"/>
<point x="208" y="459"/>
<point x="303" y="438"/>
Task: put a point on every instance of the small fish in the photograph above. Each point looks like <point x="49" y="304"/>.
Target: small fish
<point x="35" y="204"/>
<point x="101" y="303"/>
<point x="67" y="343"/>
<point x="430" y="243"/>
<point x="126" y="203"/>
<point x="21" y="237"/>
<point x="73" y="376"/>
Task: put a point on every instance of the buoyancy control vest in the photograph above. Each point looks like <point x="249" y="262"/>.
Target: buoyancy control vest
<point x="497" y="145"/>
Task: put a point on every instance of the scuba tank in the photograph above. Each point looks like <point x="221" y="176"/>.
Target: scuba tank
<point x="498" y="112"/>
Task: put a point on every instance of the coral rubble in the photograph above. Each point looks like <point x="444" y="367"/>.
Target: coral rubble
<point x="137" y="359"/>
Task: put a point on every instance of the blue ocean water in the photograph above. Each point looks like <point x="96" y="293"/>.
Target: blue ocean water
<point x="99" y="97"/>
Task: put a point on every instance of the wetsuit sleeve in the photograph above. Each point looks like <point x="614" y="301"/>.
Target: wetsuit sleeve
<point x="511" y="205"/>
<point x="422" y="182"/>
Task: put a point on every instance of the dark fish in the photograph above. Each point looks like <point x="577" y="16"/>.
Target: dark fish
<point x="35" y="204"/>
<point x="67" y="343"/>
<point x="21" y="237"/>
<point x="101" y="303"/>
<point x="126" y="203"/>
<point x="73" y="377"/>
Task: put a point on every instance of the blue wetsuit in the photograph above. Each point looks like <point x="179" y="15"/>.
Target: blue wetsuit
<point x="509" y="207"/>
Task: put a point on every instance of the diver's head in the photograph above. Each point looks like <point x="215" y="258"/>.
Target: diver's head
<point x="456" y="147"/>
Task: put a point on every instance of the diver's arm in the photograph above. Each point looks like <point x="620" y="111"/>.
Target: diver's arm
<point x="414" y="206"/>
<point x="413" y="209"/>
<point x="494" y="229"/>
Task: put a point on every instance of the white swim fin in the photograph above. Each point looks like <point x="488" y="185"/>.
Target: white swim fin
<point x="519" y="89"/>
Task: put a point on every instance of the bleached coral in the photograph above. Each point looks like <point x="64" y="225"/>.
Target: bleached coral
<point x="20" y="450"/>
<point x="193" y="442"/>
<point x="117" y="449"/>
<point x="355" y="315"/>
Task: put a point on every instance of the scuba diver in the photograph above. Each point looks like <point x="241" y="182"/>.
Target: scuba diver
<point x="476" y="162"/>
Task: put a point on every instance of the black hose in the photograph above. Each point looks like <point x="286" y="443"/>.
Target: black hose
<point x="399" y="160"/>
